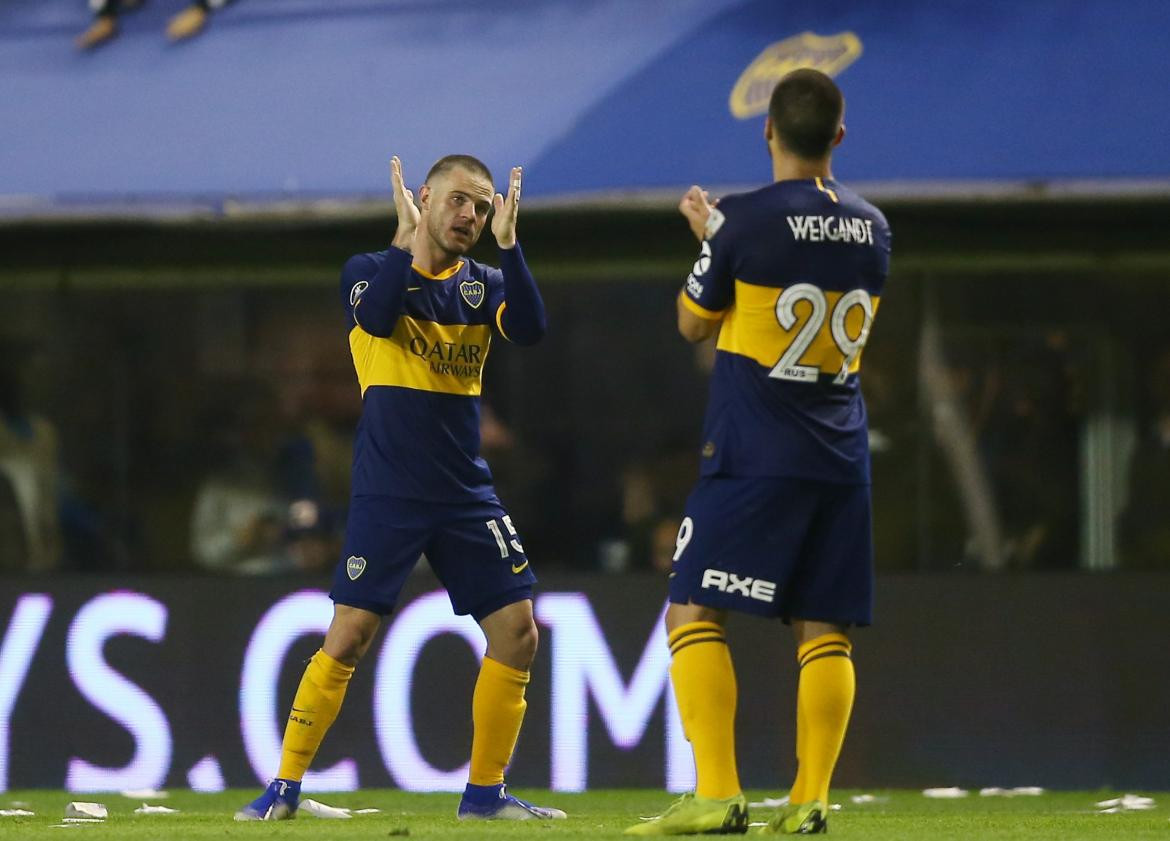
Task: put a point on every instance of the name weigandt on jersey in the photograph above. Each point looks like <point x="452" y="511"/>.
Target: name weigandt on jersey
<point x="852" y="229"/>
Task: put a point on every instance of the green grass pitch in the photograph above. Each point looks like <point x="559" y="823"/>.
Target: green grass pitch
<point x="898" y="816"/>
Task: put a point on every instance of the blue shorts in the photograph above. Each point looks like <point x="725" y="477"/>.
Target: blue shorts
<point x="472" y="547"/>
<point x="776" y="546"/>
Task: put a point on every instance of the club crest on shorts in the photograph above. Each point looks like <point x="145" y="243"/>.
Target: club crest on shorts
<point x="354" y="566"/>
<point x="472" y="292"/>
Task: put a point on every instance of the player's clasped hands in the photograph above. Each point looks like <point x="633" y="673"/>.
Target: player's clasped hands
<point x="507" y="210"/>
<point x="404" y="207"/>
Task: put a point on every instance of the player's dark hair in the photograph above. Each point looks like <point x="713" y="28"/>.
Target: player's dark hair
<point x="806" y="110"/>
<point x="449" y="162"/>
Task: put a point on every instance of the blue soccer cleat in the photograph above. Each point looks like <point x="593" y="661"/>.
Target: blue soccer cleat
<point x="493" y="803"/>
<point x="278" y="803"/>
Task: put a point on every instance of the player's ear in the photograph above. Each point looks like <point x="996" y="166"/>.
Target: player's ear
<point x="840" y="136"/>
<point x="768" y="128"/>
<point x="424" y="197"/>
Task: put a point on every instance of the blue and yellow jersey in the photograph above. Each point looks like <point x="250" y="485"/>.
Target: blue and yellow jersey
<point x="795" y="272"/>
<point x="418" y="437"/>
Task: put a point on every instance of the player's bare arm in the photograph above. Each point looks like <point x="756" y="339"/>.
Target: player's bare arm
<point x="404" y="207"/>
<point x="506" y="211"/>
<point x="694" y="328"/>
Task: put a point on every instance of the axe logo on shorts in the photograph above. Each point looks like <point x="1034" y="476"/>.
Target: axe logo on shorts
<point x="354" y="566"/>
<point x="734" y="585"/>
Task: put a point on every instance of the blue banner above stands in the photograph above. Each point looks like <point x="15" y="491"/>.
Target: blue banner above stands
<point x="307" y="99"/>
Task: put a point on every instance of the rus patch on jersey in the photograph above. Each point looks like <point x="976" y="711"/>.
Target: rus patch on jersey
<point x="354" y="566"/>
<point x="472" y="292"/>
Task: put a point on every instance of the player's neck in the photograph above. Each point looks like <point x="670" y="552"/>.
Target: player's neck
<point x="791" y="168"/>
<point x="428" y="256"/>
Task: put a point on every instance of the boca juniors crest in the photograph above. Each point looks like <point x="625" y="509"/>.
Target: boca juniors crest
<point x="472" y="292"/>
<point x="354" y="566"/>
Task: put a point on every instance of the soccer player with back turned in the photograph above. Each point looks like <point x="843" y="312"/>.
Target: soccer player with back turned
<point x="420" y="316"/>
<point x="789" y="276"/>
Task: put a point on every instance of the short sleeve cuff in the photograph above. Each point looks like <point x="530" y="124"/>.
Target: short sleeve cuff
<point x="701" y="312"/>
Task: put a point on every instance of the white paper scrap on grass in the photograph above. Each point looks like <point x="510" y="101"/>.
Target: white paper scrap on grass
<point x="1126" y="803"/>
<point x="82" y="809"/>
<point x="320" y="810"/>
<point x="16" y="813"/>
<point x="147" y="809"/>
<point x="81" y="820"/>
<point x="868" y="798"/>
<point x="945" y="793"/>
<point x="1018" y="791"/>
<point x="366" y="811"/>
<point x="145" y="794"/>
<point x="769" y="803"/>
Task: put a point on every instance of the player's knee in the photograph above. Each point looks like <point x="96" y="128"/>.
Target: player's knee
<point x="529" y="640"/>
<point x="346" y="647"/>
<point x="515" y="644"/>
<point x="350" y="635"/>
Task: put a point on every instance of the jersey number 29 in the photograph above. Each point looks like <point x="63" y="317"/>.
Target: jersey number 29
<point x="790" y="367"/>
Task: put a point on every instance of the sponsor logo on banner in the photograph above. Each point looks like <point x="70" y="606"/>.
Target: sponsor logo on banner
<point x="354" y="566"/>
<point x="828" y="53"/>
<point x="472" y="292"/>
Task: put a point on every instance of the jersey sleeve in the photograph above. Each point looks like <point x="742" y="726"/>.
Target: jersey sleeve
<point x="372" y="294"/>
<point x="708" y="289"/>
<point x="355" y="279"/>
<point x="515" y="302"/>
<point x="494" y="279"/>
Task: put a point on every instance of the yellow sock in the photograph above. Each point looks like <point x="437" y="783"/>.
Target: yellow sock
<point x="314" y="709"/>
<point x="799" y="793"/>
<point x="704" y="686"/>
<point x="497" y="711"/>
<point x="824" y="700"/>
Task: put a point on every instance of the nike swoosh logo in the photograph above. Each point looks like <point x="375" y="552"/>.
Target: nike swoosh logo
<point x="519" y="569"/>
<point x="413" y="288"/>
<point x="299" y="710"/>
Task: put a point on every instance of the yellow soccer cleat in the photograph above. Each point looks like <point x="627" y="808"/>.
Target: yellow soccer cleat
<point x="691" y="814"/>
<point x="103" y="28"/>
<point x="799" y="819"/>
<point x="187" y="23"/>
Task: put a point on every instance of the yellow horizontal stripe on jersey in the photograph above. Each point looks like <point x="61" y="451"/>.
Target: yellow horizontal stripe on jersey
<point x="701" y="312"/>
<point x="423" y="355"/>
<point x="752" y="328"/>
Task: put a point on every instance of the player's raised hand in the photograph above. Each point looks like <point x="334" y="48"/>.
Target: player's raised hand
<point x="506" y="211"/>
<point x="404" y="207"/>
<point x="696" y="208"/>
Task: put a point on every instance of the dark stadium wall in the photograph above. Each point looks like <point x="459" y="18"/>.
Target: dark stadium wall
<point x="965" y="680"/>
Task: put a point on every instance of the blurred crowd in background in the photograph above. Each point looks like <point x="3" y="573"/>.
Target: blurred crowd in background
<point x="212" y="430"/>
